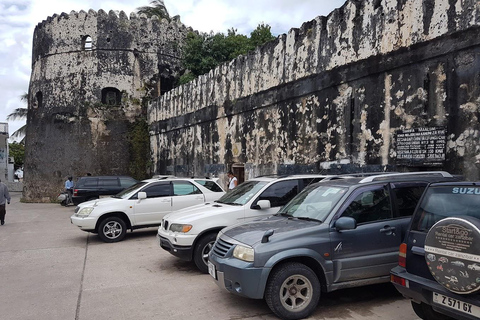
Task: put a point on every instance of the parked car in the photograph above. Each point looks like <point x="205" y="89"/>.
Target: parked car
<point x="142" y="205"/>
<point x="446" y="224"/>
<point x="335" y="234"/>
<point x="189" y="234"/>
<point x="95" y="187"/>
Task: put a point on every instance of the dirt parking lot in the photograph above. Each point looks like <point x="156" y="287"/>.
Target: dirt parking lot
<point x="52" y="270"/>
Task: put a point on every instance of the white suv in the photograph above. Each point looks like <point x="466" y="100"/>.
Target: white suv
<point x="189" y="234"/>
<point x="142" y="205"/>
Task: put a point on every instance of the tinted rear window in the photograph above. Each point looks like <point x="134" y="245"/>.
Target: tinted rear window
<point x="442" y="202"/>
<point x="210" y="185"/>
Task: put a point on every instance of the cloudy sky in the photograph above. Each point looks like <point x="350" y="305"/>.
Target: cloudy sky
<point x="18" y="19"/>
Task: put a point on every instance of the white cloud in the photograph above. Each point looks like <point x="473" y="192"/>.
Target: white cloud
<point x="18" y="19"/>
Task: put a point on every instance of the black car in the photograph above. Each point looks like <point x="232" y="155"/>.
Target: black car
<point x="91" y="188"/>
<point x="439" y="261"/>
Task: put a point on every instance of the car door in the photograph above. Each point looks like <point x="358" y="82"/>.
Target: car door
<point x="157" y="204"/>
<point x="185" y="194"/>
<point x="278" y="193"/>
<point x="368" y="250"/>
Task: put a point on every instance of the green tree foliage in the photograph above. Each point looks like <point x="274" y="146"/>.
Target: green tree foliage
<point x="157" y="8"/>
<point x="204" y="51"/>
<point x="17" y="151"/>
<point x="20" y="114"/>
<point x="139" y="145"/>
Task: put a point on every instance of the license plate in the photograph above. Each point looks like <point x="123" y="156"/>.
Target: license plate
<point x="455" y="304"/>
<point x="211" y="270"/>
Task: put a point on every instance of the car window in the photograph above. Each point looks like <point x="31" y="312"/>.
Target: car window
<point x="243" y="193"/>
<point x="88" y="182"/>
<point x="126" y="182"/>
<point x="407" y="199"/>
<point x="108" y="182"/>
<point x="314" y="202"/>
<point x="280" y="193"/>
<point x="158" y="190"/>
<point x="446" y="201"/>
<point x="130" y="191"/>
<point x="370" y="205"/>
<point x="210" y="185"/>
<point x="183" y="188"/>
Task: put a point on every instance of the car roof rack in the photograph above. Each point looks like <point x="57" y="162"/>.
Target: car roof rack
<point x="419" y="173"/>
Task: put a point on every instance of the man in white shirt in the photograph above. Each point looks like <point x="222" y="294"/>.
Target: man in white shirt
<point x="4" y="197"/>
<point x="232" y="181"/>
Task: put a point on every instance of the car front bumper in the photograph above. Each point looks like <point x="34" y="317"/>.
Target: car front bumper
<point x="239" y="277"/>
<point x="422" y="290"/>
<point x="86" y="223"/>
<point x="182" y="252"/>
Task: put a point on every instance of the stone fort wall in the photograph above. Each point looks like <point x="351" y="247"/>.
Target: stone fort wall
<point x="91" y="72"/>
<point x="333" y="94"/>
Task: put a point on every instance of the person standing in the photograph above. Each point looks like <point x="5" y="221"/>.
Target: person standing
<point x="69" y="188"/>
<point x="4" y="197"/>
<point x="232" y="181"/>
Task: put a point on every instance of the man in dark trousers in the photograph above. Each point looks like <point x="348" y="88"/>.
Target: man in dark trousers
<point x="4" y="197"/>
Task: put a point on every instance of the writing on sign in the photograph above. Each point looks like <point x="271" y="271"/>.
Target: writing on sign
<point x="423" y="146"/>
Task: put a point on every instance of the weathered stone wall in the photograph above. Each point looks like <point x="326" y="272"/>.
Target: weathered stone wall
<point x="70" y="130"/>
<point x="334" y="91"/>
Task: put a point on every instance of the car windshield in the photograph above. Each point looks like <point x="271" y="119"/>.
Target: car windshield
<point x="314" y="202"/>
<point x="446" y="201"/>
<point x="128" y="192"/>
<point x="242" y="193"/>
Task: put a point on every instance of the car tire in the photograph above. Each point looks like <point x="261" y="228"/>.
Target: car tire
<point x="202" y="249"/>
<point x="112" y="229"/>
<point x="418" y="309"/>
<point x="292" y="280"/>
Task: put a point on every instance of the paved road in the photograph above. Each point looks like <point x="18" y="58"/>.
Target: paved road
<point x="50" y="270"/>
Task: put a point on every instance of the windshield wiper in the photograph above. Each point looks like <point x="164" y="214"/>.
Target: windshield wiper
<point x="308" y="219"/>
<point x="283" y="214"/>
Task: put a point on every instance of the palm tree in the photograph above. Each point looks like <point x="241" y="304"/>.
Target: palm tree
<point x="157" y="8"/>
<point x="20" y="114"/>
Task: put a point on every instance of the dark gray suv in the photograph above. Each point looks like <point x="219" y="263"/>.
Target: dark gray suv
<point x="335" y="234"/>
<point x="439" y="262"/>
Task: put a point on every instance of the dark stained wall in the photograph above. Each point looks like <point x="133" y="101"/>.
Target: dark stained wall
<point x="331" y="96"/>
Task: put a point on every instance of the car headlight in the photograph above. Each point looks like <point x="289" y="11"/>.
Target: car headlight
<point x="176" y="227"/>
<point x="84" y="212"/>
<point x="244" y="253"/>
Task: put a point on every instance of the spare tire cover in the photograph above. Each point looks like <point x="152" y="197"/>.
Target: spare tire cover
<point x="452" y="253"/>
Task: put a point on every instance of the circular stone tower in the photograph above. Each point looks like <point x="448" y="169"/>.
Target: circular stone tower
<point x="92" y="74"/>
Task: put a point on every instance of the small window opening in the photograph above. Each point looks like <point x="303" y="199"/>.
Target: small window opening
<point x="111" y="96"/>
<point x="87" y="43"/>
<point x="38" y="100"/>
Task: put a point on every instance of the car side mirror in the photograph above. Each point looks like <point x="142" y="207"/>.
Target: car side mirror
<point x="345" y="223"/>
<point x="142" y="195"/>
<point x="262" y="204"/>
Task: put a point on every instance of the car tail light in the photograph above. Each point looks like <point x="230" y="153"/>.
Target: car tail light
<point x="398" y="280"/>
<point x="402" y="255"/>
<point x="75" y="192"/>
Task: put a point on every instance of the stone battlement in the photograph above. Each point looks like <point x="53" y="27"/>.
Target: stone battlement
<point x="357" y="31"/>
<point x="108" y="31"/>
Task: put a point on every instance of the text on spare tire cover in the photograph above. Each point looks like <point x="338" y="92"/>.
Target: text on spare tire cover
<point x="452" y="250"/>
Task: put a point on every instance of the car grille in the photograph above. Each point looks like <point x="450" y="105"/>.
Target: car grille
<point x="222" y="247"/>
<point x="77" y="209"/>
<point x="165" y="224"/>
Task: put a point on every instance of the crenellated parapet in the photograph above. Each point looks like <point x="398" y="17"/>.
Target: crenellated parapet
<point x="107" y="31"/>
<point x="354" y="32"/>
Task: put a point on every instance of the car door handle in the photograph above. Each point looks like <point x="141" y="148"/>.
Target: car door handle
<point x="388" y="230"/>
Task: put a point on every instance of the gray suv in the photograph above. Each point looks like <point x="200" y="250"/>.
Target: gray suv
<point x="335" y="234"/>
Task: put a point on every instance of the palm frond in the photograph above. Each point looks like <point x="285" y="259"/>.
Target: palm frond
<point x="18" y="114"/>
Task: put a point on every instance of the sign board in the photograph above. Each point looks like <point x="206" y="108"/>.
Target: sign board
<point x="424" y="146"/>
